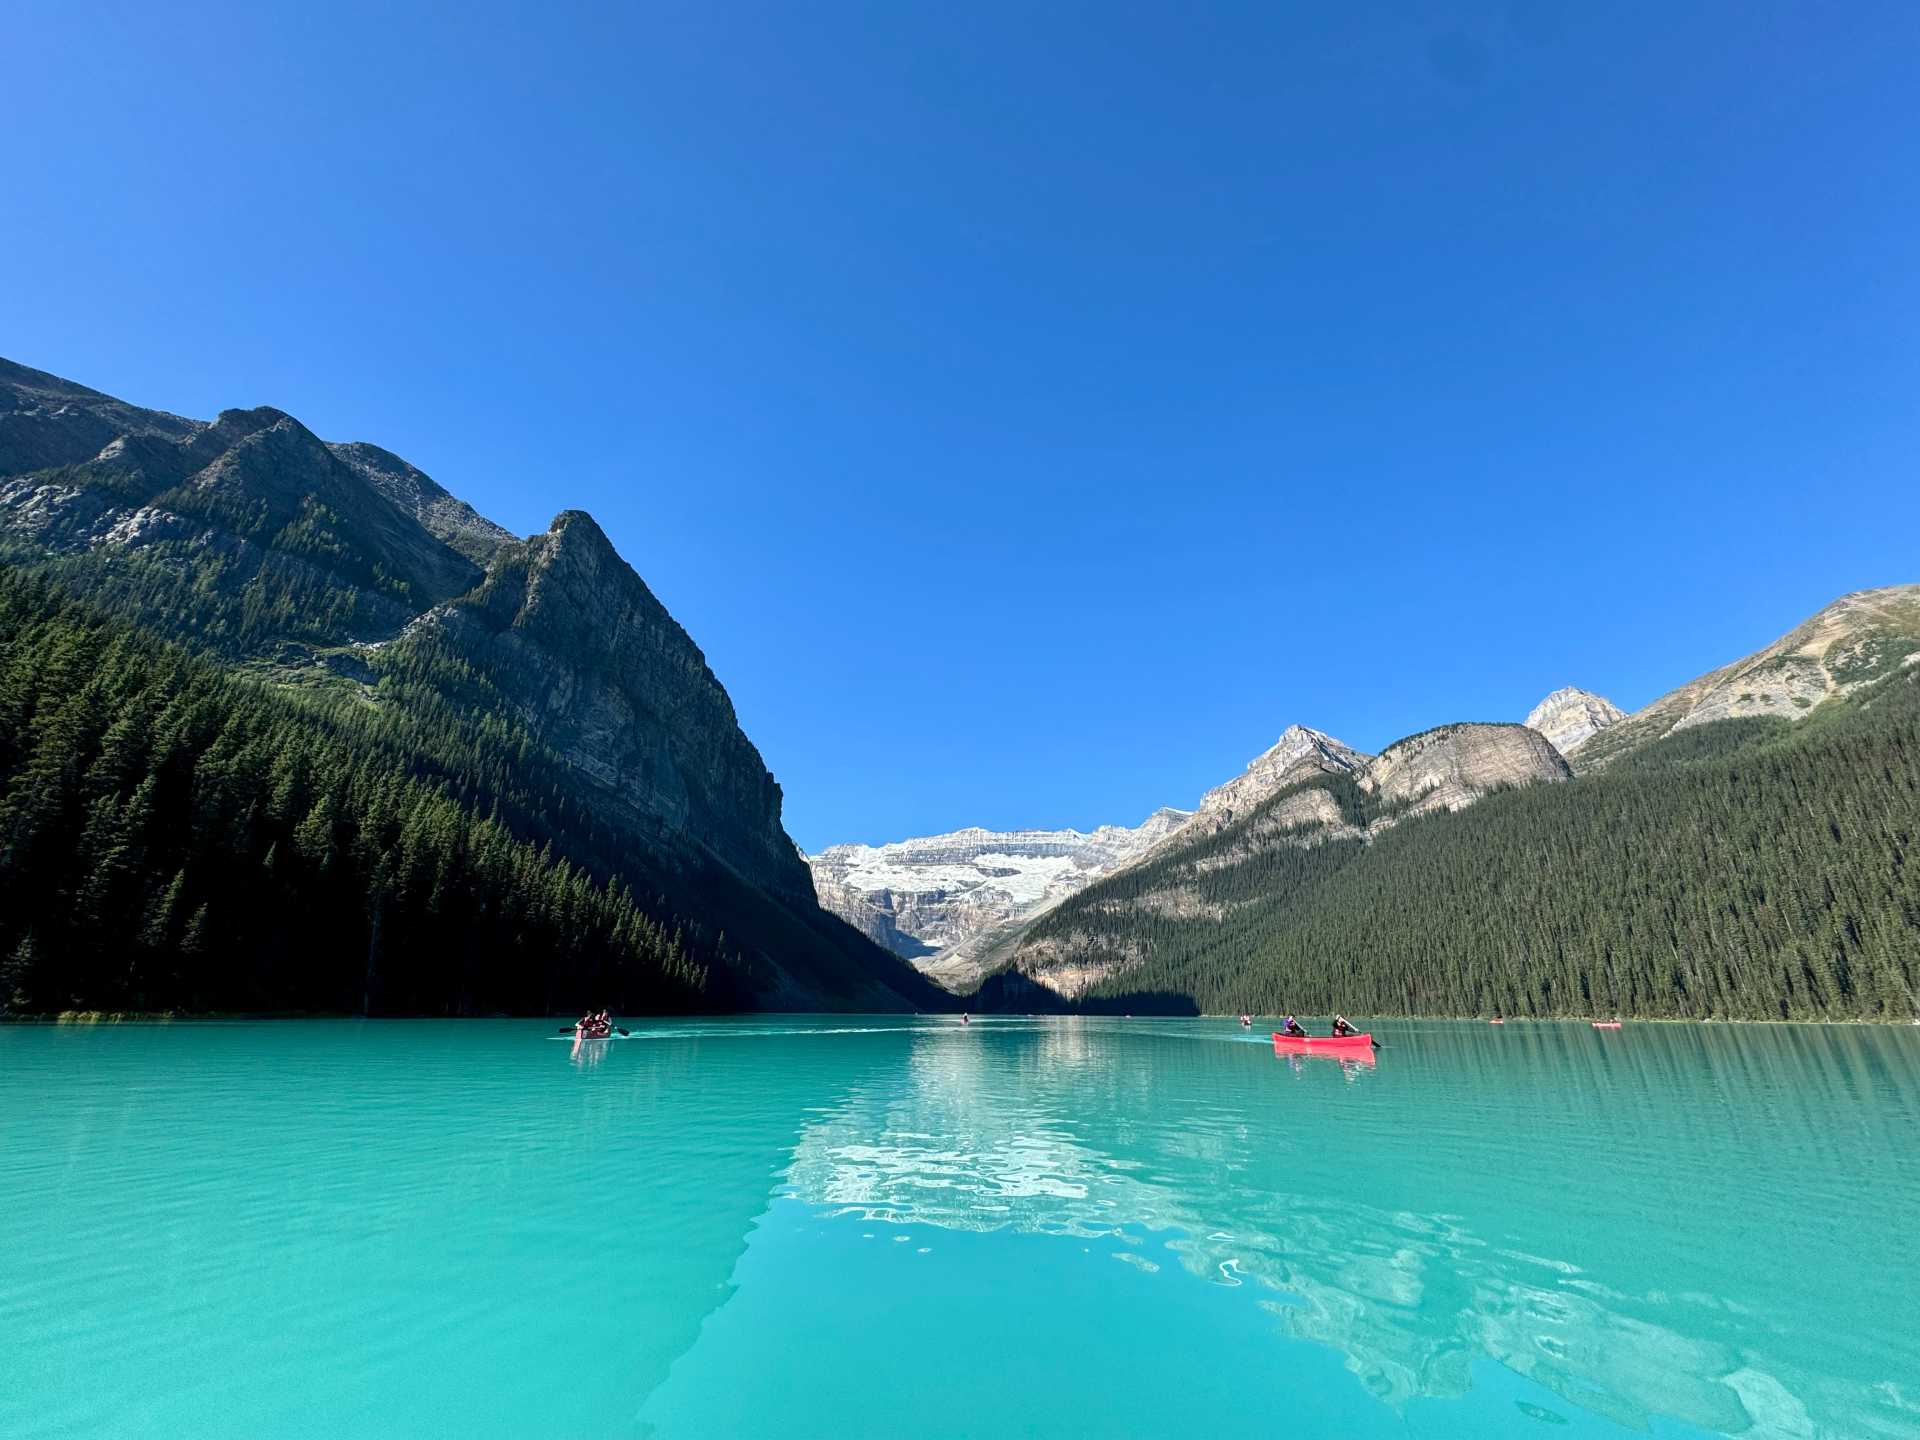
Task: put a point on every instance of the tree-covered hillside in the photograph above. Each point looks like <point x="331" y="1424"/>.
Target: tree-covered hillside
<point x="1741" y="869"/>
<point x="175" y="836"/>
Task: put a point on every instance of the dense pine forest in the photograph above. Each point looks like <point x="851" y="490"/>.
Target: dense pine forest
<point x="173" y="836"/>
<point x="1748" y="869"/>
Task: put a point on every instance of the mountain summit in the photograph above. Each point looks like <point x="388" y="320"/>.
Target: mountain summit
<point x="1570" y="717"/>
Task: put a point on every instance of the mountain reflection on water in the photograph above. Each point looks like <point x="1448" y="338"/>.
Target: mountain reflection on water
<point x="1599" y="1217"/>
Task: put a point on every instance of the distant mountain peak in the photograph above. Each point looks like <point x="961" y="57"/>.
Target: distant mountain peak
<point x="1299" y="750"/>
<point x="943" y="900"/>
<point x="1570" y="717"/>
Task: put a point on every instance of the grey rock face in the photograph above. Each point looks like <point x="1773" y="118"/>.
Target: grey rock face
<point x="410" y="489"/>
<point x="1571" y="717"/>
<point x="1277" y="805"/>
<point x="573" y="639"/>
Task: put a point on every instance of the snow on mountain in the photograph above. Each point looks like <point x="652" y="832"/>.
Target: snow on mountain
<point x="922" y="896"/>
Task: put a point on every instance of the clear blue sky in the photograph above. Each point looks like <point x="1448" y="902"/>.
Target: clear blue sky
<point x="1031" y="409"/>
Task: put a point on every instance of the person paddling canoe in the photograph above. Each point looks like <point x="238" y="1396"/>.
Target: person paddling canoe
<point x="1341" y="1027"/>
<point x="1294" y="1029"/>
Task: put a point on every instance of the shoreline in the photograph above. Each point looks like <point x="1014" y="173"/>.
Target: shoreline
<point x="181" y="1017"/>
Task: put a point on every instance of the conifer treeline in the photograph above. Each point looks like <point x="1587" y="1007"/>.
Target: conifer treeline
<point x="1748" y="869"/>
<point x="173" y="836"/>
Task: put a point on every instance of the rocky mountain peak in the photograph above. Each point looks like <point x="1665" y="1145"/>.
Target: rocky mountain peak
<point x="1570" y="717"/>
<point x="599" y="671"/>
<point x="1300" y="751"/>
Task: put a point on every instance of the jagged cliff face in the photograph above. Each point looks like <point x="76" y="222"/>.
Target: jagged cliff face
<point x="941" y="901"/>
<point x="1571" y="717"/>
<point x="598" y="670"/>
<point x="1854" y="641"/>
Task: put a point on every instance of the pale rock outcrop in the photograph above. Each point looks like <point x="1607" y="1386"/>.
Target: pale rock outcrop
<point x="1570" y="717"/>
<point x="1450" y="767"/>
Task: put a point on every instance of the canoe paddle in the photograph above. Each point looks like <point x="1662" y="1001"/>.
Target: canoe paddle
<point x="619" y="1030"/>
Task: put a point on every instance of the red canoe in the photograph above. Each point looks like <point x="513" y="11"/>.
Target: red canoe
<point x="1342" y="1045"/>
<point x="1606" y="1024"/>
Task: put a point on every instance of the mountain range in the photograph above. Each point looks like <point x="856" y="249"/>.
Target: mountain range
<point x="533" y="684"/>
<point x="1261" y="852"/>
<point x="285" y="726"/>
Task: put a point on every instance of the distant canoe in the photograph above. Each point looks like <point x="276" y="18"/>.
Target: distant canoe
<point x="1606" y="1024"/>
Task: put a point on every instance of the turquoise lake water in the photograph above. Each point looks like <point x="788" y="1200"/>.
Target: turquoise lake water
<point x="904" y="1227"/>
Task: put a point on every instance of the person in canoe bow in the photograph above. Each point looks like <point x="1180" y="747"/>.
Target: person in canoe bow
<point x="1293" y="1028"/>
<point x="1341" y="1027"/>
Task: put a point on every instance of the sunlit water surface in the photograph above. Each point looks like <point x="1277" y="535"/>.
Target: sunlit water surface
<point x="898" y="1227"/>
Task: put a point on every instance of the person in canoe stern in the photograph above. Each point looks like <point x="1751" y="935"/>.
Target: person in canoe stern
<point x="1341" y="1026"/>
<point x="1294" y="1028"/>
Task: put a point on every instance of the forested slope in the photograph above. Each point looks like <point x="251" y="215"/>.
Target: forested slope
<point x="175" y="836"/>
<point x="1744" y="868"/>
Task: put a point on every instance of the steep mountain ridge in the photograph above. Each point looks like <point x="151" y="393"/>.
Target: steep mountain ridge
<point x="1298" y="746"/>
<point x="414" y="492"/>
<point x="1856" y="640"/>
<point x="1737" y="848"/>
<point x="540" y="680"/>
<point x="246" y="533"/>
<point x="573" y="641"/>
